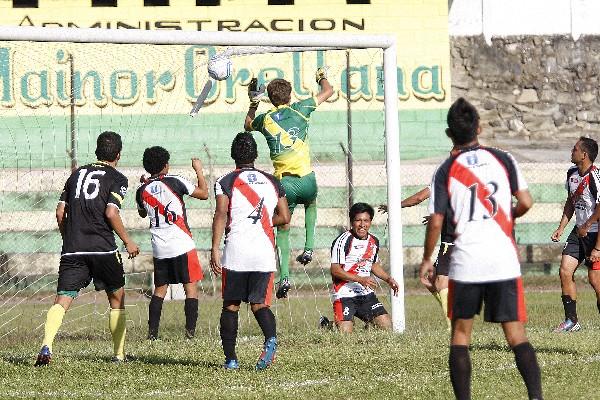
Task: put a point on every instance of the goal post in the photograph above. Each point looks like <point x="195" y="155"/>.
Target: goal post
<point x="287" y="40"/>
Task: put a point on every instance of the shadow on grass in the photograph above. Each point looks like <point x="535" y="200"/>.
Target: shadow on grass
<point x="540" y="349"/>
<point x="20" y="360"/>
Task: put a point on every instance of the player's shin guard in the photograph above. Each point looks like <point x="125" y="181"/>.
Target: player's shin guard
<point x="154" y="312"/>
<point x="53" y="322"/>
<point x="460" y="371"/>
<point x="310" y="222"/>
<point x="529" y="369"/>
<point x="570" y="307"/>
<point x="228" y="330"/>
<point x="443" y="293"/>
<point x="117" y="325"/>
<point x="283" y="247"/>
<point x="191" y="314"/>
<point x="266" y="321"/>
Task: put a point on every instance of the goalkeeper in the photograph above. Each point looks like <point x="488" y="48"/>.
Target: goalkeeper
<point x="285" y="127"/>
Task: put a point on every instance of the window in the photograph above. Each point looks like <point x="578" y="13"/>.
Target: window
<point x="104" y="3"/>
<point x="25" y="3"/>
<point x="155" y="3"/>
<point x="208" y="2"/>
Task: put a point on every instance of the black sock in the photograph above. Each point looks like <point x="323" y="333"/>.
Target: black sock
<point x="266" y="321"/>
<point x="191" y="314"/>
<point x="529" y="369"/>
<point x="228" y="328"/>
<point x="570" y="307"/>
<point x="598" y="306"/>
<point x="460" y="371"/>
<point x="154" y="311"/>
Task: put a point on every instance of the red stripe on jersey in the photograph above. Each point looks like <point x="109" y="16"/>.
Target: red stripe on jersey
<point x="252" y="197"/>
<point x="155" y="203"/>
<point x="468" y="178"/>
<point x="366" y="256"/>
<point x="580" y="188"/>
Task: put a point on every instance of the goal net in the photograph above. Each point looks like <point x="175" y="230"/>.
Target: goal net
<point x="60" y="88"/>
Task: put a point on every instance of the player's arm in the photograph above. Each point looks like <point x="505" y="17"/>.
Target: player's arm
<point x="255" y="93"/>
<point x="337" y="271"/>
<point x="61" y="210"/>
<point x="113" y="216"/>
<point x="416" y="198"/>
<point x="379" y="272"/>
<point x="138" y="201"/>
<point x="326" y="88"/>
<point x="200" y="191"/>
<point x="282" y="214"/>
<point x="434" y="229"/>
<point x="568" y="211"/>
<point x="218" y="227"/>
<point x="524" y="203"/>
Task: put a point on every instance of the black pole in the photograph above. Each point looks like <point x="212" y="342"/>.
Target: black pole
<point x="349" y="122"/>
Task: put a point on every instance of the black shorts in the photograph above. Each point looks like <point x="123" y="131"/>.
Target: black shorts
<point x="365" y="308"/>
<point x="76" y="271"/>
<point x="184" y="268"/>
<point x="581" y="247"/>
<point x="442" y="263"/>
<point x="252" y="287"/>
<point x="504" y="300"/>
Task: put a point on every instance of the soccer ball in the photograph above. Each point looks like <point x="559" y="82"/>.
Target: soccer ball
<point x="219" y="67"/>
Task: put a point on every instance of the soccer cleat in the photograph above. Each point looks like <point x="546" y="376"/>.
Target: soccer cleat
<point x="567" y="326"/>
<point x="190" y="333"/>
<point x="305" y="257"/>
<point x="268" y="354"/>
<point x="283" y="288"/>
<point x="325" y="323"/>
<point x="118" y="360"/>
<point x="44" y="357"/>
<point x="152" y="336"/>
<point x="231" y="365"/>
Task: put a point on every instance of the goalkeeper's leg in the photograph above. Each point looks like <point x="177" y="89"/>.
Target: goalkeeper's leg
<point x="307" y="193"/>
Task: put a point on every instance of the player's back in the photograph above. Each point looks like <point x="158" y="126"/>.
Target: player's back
<point x="249" y="239"/>
<point x="477" y="186"/>
<point x="87" y="193"/>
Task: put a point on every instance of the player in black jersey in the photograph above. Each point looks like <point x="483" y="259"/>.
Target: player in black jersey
<point x="87" y="214"/>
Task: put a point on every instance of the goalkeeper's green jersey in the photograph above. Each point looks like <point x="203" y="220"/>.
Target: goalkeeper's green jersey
<point x="286" y="129"/>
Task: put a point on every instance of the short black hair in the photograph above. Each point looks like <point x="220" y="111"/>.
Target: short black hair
<point x="463" y="121"/>
<point x="243" y="148"/>
<point x="155" y="158"/>
<point x="359" y="208"/>
<point x="590" y="146"/>
<point x="108" y="146"/>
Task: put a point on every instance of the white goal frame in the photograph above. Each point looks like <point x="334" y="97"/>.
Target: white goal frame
<point x="327" y="41"/>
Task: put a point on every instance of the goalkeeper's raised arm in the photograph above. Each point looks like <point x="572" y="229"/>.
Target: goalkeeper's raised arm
<point x="326" y="88"/>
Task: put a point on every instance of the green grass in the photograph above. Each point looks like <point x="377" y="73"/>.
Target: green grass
<point x="311" y="364"/>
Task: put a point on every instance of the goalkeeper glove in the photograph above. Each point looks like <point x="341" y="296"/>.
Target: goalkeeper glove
<point x="255" y="92"/>
<point x="321" y="74"/>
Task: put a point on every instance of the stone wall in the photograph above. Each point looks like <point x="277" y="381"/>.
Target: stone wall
<point x="534" y="88"/>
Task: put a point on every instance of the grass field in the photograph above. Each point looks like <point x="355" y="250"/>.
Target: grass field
<point x="311" y="363"/>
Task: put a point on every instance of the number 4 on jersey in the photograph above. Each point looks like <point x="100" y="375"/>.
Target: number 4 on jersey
<point x="256" y="214"/>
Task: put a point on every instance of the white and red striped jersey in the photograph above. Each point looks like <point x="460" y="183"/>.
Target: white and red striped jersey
<point x="357" y="257"/>
<point x="249" y="238"/>
<point x="584" y="194"/>
<point x="162" y="199"/>
<point x="477" y="186"/>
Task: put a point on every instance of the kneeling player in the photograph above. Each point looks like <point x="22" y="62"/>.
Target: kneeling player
<point x="249" y="203"/>
<point x="175" y="259"/>
<point x="354" y="255"/>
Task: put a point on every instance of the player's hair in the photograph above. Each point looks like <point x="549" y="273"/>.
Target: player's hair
<point x="243" y="148"/>
<point x="463" y="121"/>
<point x="108" y="146"/>
<point x="279" y="91"/>
<point x="359" y="208"/>
<point x="590" y="146"/>
<point x="155" y="159"/>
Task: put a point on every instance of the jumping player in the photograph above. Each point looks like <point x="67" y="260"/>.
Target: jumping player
<point x="583" y="245"/>
<point x="477" y="186"/>
<point x="160" y="198"/>
<point x="285" y="127"/>
<point x="249" y="203"/>
<point x="354" y="256"/>
<point x="87" y="214"/>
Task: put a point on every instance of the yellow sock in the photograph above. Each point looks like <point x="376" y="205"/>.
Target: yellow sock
<point x="444" y="302"/>
<point x="53" y="322"/>
<point x="117" y="325"/>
